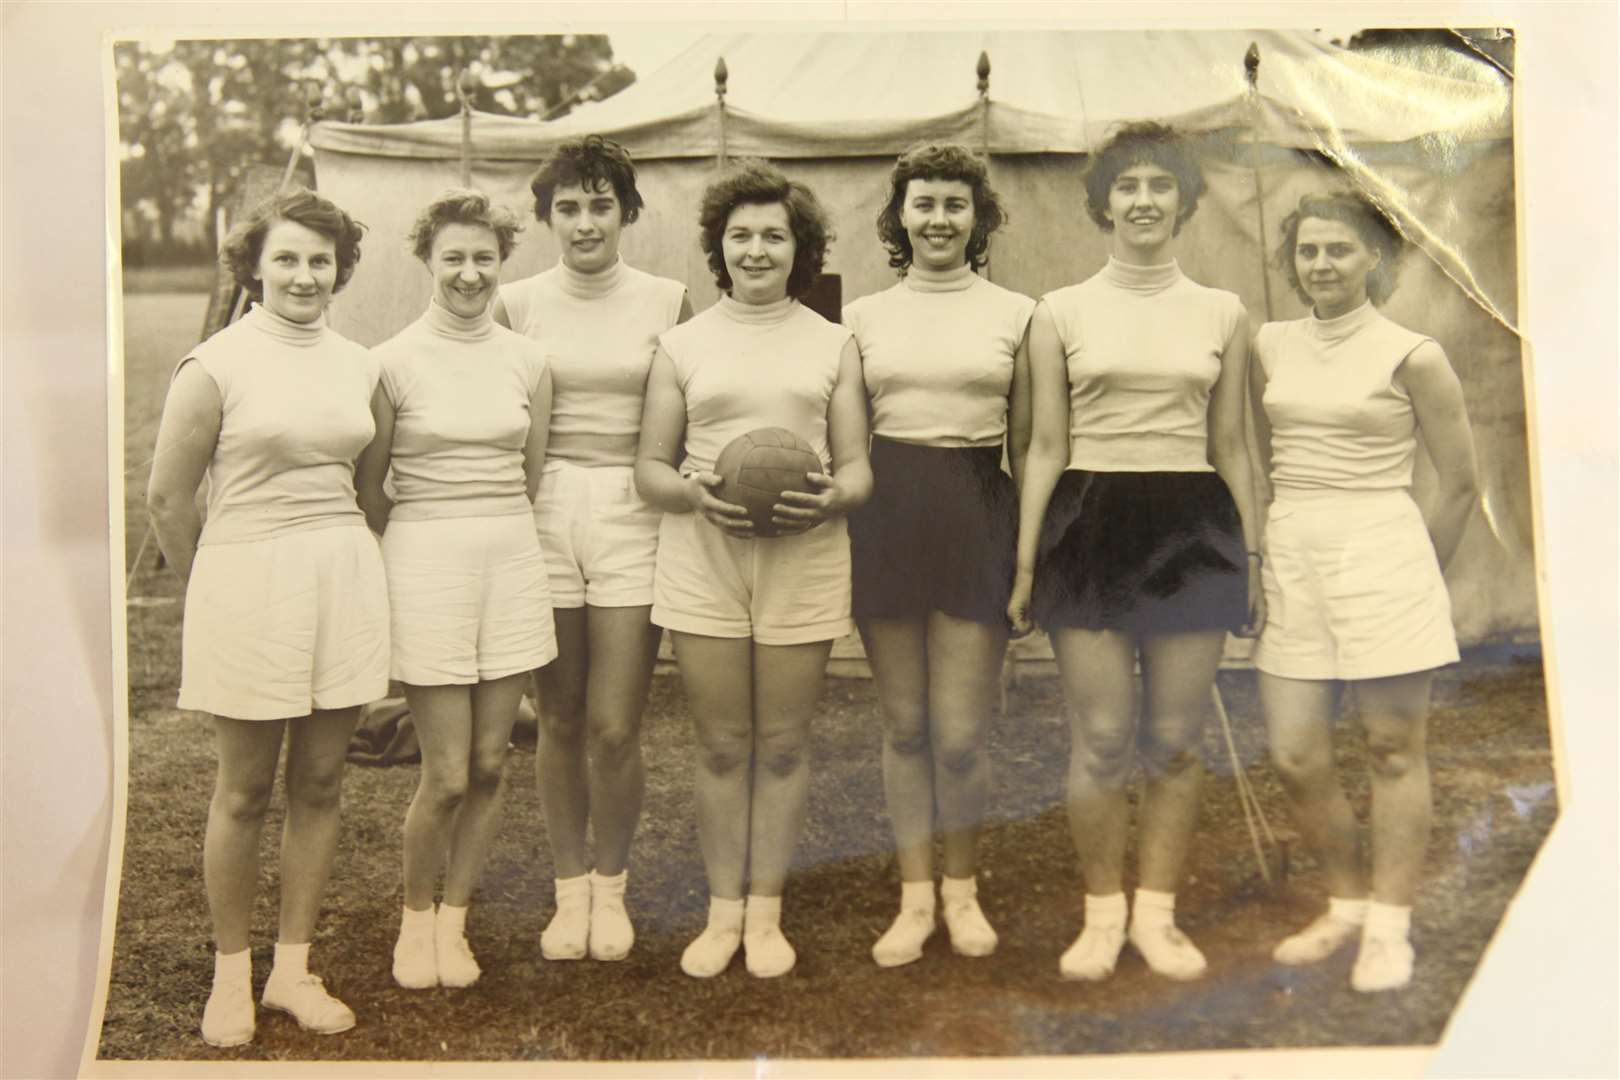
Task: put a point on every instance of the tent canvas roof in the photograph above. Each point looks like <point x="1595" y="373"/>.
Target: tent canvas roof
<point x="863" y="92"/>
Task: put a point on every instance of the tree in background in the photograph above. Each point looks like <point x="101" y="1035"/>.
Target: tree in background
<point x="194" y="116"/>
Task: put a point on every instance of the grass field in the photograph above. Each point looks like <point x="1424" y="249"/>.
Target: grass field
<point x="1494" y="801"/>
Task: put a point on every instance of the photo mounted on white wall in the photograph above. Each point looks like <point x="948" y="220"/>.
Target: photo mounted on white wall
<point x="673" y="545"/>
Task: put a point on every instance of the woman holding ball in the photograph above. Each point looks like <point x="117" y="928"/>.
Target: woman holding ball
<point x="461" y="415"/>
<point x="1136" y="538"/>
<point x="753" y="619"/>
<point x="286" y="617"/>
<point x="1353" y="575"/>
<point x="942" y="354"/>
<point x="599" y="320"/>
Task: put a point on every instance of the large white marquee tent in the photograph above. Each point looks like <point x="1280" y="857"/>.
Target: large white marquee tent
<point x="1433" y="142"/>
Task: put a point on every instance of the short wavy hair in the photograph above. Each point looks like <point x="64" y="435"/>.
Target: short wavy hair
<point x="1372" y="225"/>
<point x="244" y="244"/>
<point x="461" y="206"/>
<point x="1143" y="143"/>
<point x="759" y="183"/>
<point x="592" y="158"/>
<point x="940" y="161"/>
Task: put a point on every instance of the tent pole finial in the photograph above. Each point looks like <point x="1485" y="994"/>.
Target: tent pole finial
<point x="1251" y="66"/>
<point x="983" y="71"/>
<point x="721" y="75"/>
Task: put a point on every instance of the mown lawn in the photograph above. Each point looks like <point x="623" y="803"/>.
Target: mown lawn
<point x="1494" y="799"/>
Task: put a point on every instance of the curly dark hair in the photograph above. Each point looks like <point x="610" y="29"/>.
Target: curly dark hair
<point x="600" y="161"/>
<point x="460" y="206"/>
<point x="1356" y="210"/>
<point x="756" y="182"/>
<point x="244" y="244"/>
<point x="1143" y="143"/>
<point x="940" y="161"/>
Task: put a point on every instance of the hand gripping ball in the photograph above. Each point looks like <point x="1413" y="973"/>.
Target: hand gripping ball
<point x="757" y="467"/>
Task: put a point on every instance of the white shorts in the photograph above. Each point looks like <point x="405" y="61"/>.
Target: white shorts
<point x="787" y="590"/>
<point x="469" y="599"/>
<point x="1353" y="589"/>
<point x="279" y="627"/>
<point x="599" y="536"/>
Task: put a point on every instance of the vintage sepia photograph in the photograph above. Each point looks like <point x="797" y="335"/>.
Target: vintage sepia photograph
<point x="737" y="543"/>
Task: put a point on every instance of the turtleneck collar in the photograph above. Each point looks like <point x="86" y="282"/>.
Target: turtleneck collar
<point x="446" y="322"/>
<point x="1341" y="327"/>
<point x="590" y="286"/>
<point x="922" y="279"/>
<point x="761" y="314"/>
<point x="284" y="329"/>
<point x="1142" y="279"/>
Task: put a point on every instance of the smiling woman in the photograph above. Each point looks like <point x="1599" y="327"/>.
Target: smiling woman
<point x="462" y="415"/>
<point x="286" y="623"/>
<point x="1132" y="535"/>
<point x="752" y="618"/>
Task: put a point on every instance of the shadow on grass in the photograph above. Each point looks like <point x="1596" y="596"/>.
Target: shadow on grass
<point x="1494" y="802"/>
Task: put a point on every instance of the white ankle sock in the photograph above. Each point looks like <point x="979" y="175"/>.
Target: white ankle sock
<point x="412" y="920"/>
<point x="1388" y="920"/>
<point x="451" y="919"/>
<point x="230" y="967"/>
<point x="291" y="960"/>
<point x="1153" y="908"/>
<point x="1106" y="911"/>
<point x="761" y="914"/>
<point x="917" y="895"/>
<point x="1348" y="910"/>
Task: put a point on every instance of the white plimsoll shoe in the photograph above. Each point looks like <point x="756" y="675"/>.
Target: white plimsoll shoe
<point x="711" y="951"/>
<point x="305" y="999"/>
<point x="415" y="967"/>
<point x="767" y="953"/>
<point x="1168" y="951"/>
<point x="457" y="966"/>
<point x="567" y="936"/>
<point x="1384" y="963"/>
<point x="971" y="933"/>
<point x="1318" y="941"/>
<point x="1093" y="955"/>
<point x="228" y="1017"/>
<point x="903" y="941"/>
<point x="611" y="934"/>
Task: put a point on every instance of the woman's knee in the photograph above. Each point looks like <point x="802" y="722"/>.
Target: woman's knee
<point x="1302" y="769"/>
<point x="243" y="801"/>
<point x="958" y="756"/>
<point x="1103" y="746"/>
<point x="613" y="741"/>
<point x="562" y="718"/>
<point x="443" y="788"/>
<point x="1170" y="745"/>
<point x="485" y="771"/>
<point x="905" y="728"/>
<point x="781" y="756"/>
<point x="723" y="757"/>
<point x="316" y="789"/>
<point x="1394" y="750"/>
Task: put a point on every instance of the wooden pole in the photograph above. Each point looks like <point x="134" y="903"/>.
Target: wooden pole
<point x="463" y="85"/>
<point x="721" y="75"/>
<point x="1251" y="74"/>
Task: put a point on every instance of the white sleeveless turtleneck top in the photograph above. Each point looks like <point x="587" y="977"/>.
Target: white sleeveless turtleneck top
<point x="746" y="366"/>
<point x="937" y="354"/>
<point x="1339" y="420"/>
<point x="295" y="411"/>
<point x="600" y="331"/>
<point x="460" y="389"/>
<point x="1143" y="345"/>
